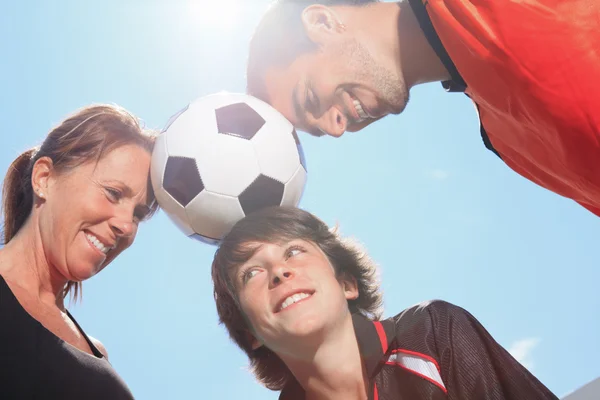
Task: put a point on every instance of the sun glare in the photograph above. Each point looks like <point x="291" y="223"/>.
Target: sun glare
<point x="216" y="14"/>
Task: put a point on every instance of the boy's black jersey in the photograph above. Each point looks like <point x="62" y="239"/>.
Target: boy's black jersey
<point x="436" y="350"/>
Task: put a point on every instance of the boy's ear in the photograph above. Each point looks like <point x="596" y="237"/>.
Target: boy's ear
<point x="254" y="342"/>
<point x="350" y="287"/>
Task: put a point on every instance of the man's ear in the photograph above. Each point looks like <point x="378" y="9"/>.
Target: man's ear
<point x="321" y="22"/>
<point x="350" y="287"/>
<point x="40" y="176"/>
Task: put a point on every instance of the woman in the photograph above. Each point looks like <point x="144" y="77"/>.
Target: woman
<point x="70" y="207"/>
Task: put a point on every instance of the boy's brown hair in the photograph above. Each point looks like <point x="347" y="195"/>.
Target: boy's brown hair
<point x="280" y="225"/>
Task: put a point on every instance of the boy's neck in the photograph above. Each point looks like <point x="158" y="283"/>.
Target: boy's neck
<point x="336" y="370"/>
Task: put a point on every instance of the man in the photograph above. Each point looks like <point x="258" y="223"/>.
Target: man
<point x="304" y="305"/>
<point x="531" y="68"/>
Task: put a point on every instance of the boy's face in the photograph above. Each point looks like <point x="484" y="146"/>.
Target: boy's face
<point x="290" y="295"/>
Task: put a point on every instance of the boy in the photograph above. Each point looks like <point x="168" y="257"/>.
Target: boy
<point x="304" y="304"/>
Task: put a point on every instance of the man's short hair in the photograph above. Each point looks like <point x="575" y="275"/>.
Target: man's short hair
<point x="280" y="225"/>
<point x="280" y="38"/>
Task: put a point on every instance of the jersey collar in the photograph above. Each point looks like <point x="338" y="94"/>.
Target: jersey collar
<point x="456" y="84"/>
<point x="374" y="340"/>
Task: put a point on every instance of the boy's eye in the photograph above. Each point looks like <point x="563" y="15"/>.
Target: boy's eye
<point x="248" y="274"/>
<point x="294" y="251"/>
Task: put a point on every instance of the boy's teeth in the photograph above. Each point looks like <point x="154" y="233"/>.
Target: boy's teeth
<point x="293" y="299"/>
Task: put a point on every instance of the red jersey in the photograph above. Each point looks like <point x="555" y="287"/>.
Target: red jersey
<point x="533" y="70"/>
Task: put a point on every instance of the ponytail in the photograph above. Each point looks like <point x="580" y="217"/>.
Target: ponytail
<point x="17" y="194"/>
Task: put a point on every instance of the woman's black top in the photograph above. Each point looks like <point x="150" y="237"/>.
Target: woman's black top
<point x="36" y="364"/>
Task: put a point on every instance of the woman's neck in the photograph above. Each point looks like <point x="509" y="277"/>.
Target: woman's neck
<point x="23" y="262"/>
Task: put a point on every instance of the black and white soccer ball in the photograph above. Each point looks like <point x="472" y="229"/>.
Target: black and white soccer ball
<point x="222" y="157"/>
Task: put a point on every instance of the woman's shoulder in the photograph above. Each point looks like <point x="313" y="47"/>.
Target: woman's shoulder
<point x="99" y="346"/>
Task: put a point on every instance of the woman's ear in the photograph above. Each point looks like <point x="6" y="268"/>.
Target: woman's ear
<point x="40" y="176"/>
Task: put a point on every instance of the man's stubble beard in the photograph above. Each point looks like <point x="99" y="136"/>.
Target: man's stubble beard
<point x="390" y="87"/>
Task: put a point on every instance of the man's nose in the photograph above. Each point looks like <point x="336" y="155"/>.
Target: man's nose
<point x="333" y="122"/>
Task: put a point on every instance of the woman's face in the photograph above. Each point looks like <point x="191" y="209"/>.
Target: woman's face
<point x="90" y="214"/>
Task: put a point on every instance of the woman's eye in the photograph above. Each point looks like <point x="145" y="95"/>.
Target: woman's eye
<point x="113" y="194"/>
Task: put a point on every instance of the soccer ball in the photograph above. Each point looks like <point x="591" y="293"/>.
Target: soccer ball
<point x="222" y="157"/>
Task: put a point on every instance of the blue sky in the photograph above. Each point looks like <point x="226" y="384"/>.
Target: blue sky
<point x="443" y="217"/>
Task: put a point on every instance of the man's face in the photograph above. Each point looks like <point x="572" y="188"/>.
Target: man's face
<point x="291" y="296"/>
<point x="339" y="87"/>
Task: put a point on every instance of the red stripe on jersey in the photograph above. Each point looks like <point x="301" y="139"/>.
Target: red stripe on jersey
<point x="382" y="336"/>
